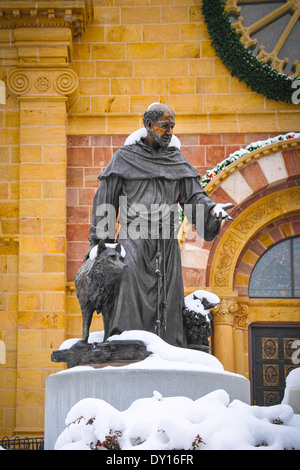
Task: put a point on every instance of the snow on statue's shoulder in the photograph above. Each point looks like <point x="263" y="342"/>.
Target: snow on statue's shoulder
<point x="136" y="136"/>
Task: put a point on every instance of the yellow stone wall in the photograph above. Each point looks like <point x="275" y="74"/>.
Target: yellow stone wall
<point x="98" y="82"/>
<point x="33" y="219"/>
<point x="9" y="211"/>
<point x="136" y="52"/>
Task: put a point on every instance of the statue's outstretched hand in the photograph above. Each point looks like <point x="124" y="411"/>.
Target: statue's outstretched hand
<point x="219" y="211"/>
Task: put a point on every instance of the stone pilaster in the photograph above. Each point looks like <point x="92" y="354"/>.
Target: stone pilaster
<point x="230" y="331"/>
<point x="223" y="320"/>
<point x="45" y="85"/>
<point x="240" y="336"/>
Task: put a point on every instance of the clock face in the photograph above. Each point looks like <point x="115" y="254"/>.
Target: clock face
<point x="270" y="30"/>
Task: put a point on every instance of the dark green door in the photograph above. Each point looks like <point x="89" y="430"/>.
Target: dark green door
<point x="275" y="352"/>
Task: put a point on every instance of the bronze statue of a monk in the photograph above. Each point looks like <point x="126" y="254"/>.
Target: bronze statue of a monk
<point x="147" y="174"/>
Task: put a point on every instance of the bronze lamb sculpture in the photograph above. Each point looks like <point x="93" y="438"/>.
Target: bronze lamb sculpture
<point x="97" y="282"/>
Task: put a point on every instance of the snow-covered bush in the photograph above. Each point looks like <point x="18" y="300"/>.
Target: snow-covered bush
<point x="180" y="423"/>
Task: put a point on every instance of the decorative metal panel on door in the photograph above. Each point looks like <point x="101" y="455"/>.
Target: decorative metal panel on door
<point x="274" y="354"/>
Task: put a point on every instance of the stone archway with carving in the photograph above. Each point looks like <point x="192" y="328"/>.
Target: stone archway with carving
<point x="248" y="179"/>
<point x="264" y="188"/>
<point x="266" y="210"/>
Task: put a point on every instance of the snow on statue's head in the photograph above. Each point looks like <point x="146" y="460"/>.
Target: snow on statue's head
<point x="154" y="113"/>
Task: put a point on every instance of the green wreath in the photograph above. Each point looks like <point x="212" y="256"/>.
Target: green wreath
<point x="240" y="62"/>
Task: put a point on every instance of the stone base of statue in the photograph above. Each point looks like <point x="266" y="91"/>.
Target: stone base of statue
<point x="115" y="352"/>
<point x="99" y="354"/>
<point x="170" y="371"/>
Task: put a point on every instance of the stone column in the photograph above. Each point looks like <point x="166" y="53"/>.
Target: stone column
<point x="239" y="333"/>
<point x="44" y="84"/>
<point x="223" y="318"/>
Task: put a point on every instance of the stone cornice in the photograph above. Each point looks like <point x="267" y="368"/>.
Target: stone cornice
<point x="42" y="47"/>
<point x="75" y="14"/>
<point x="212" y="122"/>
<point x="9" y="238"/>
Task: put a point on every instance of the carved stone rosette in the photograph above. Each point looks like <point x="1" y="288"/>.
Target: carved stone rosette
<point x="44" y="82"/>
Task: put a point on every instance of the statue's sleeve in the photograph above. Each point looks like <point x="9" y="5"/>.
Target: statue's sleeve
<point x="105" y="210"/>
<point x="192" y="195"/>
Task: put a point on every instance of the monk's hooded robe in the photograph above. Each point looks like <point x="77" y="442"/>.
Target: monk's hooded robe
<point x="151" y="294"/>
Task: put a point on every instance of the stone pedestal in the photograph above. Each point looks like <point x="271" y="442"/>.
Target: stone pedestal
<point x="122" y="386"/>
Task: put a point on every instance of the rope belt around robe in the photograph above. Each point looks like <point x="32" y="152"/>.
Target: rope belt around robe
<point x="160" y="271"/>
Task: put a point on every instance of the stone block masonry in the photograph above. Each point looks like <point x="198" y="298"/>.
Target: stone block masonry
<point x="136" y="53"/>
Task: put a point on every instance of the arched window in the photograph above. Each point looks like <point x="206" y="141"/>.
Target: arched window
<point x="277" y="272"/>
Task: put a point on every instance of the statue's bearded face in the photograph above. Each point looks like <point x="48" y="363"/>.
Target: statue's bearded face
<point x="160" y="133"/>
